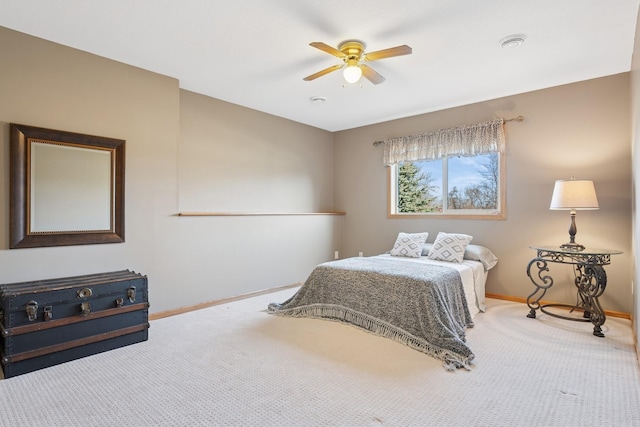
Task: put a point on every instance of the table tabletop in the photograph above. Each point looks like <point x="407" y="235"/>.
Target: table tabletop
<point x="568" y="251"/>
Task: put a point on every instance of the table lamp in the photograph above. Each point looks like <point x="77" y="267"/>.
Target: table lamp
<point x="573" y="195"/>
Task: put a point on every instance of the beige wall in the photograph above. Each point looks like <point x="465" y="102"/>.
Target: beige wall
<point x="47" y="85"/>
<point x="635" y="129"/>
<point x="188" y="260"/>
<point x="250" y="161"/>
<point x="232" y="159"/>
<point x="580" y="130"/>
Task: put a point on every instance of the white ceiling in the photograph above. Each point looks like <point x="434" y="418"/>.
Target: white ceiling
<point x="255" y="53"/>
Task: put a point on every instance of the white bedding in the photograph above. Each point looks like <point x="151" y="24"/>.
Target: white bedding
<point x="473" y="277"/>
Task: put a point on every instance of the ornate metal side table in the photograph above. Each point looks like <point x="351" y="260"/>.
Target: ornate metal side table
<point x="590" y="281"/>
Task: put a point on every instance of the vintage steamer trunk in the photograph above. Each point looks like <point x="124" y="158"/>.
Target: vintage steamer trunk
<point x="47" y="322"/>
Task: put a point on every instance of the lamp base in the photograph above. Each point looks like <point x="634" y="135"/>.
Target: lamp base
<point x="572" y="246"/>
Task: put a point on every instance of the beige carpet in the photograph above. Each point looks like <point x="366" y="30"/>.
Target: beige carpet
<point x="235" y="365"/>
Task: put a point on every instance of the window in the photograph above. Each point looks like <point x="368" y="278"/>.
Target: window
<point x="451" y="187"/>
<point x="453" y="173"/>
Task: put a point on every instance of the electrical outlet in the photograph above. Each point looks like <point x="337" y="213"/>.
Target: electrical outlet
<point x="360" y="253"/>
<point x="336" y="255"/>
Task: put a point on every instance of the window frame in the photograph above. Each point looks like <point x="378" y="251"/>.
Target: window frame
<point x="501" y="214"/>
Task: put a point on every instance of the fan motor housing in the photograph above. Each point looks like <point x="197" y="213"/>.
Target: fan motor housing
<point x="353" y="49"/>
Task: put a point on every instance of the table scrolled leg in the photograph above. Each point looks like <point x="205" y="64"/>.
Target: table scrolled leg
<point x="591" y="281"/>
<point x="542" y="283"/>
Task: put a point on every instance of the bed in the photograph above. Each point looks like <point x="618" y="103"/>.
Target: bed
<point x="413" y="297"/>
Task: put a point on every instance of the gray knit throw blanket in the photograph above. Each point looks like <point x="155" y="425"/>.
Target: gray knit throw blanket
<point x="419" y="305"/>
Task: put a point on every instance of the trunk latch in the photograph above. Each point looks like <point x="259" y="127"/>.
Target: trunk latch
<point x="32" y="310"/>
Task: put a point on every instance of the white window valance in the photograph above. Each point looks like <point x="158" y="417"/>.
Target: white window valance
<point x="469" y="140"/>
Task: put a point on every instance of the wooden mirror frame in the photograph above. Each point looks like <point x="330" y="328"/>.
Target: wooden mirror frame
<point x="20" y="216"/>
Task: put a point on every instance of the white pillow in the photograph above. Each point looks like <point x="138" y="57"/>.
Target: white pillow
<point x="482" y="254"/>
<point x="409" y="244"/>
<point x="449" y="247"/>
<point x="474" y="253"/>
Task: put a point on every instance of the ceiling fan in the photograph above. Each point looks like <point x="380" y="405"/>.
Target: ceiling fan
<point x="352" y="54"/>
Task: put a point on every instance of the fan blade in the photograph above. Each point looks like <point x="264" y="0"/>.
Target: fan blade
<point x="371" y="74"/>
<point x="388" y="53"/>
<point x="322" y="73"/>
<point x="326" y="48"/>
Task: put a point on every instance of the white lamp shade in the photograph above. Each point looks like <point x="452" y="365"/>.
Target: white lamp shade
<point x="352" y="73"/>
<point x="574" y="194"/>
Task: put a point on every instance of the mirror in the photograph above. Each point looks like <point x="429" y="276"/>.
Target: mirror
<point x="65" y="189"/>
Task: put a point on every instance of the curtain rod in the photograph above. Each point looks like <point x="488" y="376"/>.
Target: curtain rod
<point x="513" y="119"/>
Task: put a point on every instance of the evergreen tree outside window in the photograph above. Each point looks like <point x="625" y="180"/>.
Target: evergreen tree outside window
<point x="416" y="192"/>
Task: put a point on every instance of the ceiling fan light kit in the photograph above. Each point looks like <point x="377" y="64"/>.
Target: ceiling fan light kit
<point x="352" y="73"/>
<point x="352" y="54"/>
